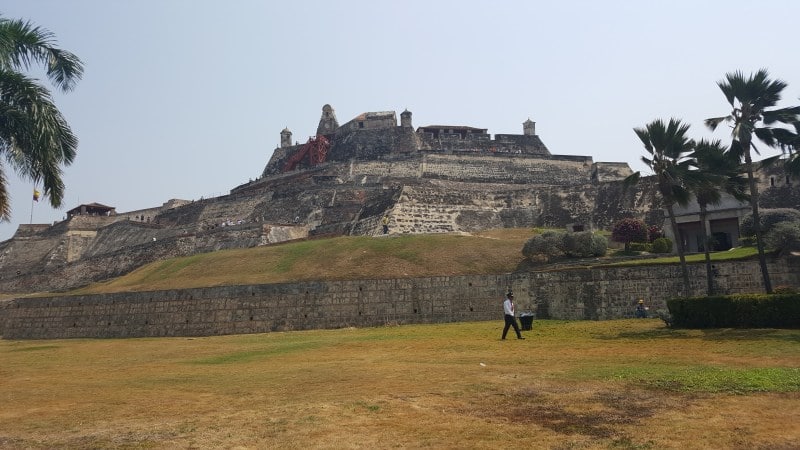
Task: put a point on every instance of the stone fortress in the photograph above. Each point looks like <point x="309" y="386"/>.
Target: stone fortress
<point x="437" y="178"/>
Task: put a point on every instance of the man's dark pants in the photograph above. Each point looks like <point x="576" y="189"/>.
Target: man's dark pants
<point x="511" y="322"/>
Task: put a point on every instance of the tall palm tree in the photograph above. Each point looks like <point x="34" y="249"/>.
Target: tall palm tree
<point x="35" y="139"/>
<point x="751" y="97"/>
<point x="670" y="160"/>
<point x="718" y="172"/>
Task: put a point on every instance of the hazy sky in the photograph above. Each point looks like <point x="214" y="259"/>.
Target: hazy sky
<point x="186" y="99"/>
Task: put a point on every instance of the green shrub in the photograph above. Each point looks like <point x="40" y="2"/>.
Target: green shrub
<point x="584" y="244"/>
<point x="551" y="244"/>
<point x="599" y="245"/>
<point x="640" y="247"/>
<point x="769" y="218"/>
<point x="747" y="241"/>
<point x="784" y="237"/>
<point x="544" y="246"/>
<point x="662" y="245"/>
<point x="737" y="311"/>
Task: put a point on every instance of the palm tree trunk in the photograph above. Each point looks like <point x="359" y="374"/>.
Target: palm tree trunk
<point x="707" y="251"/>
<point x="762" y="259"/>
<point x="681" y="250"/>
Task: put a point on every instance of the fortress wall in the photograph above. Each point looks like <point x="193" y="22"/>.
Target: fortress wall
<point x="499" y="169"/>
<point x="258" y="309"/>
<point x="121" y="261"/>
<point x="530" y="143"/>
<point x="779" y="196"/>
<point x="438" y="207"/>
<point x="87" y="222"/>
<point x="233" y="208"/>
<point x="368" y="144"/>
<point x="481" y="143"/>
<point x="120" y="235"/>
<point x="595" y="294"/>
<point x="445" y="206"/>
<point x="475" y="168"/>
<point x="149" y="214"/>
<point x="610" y="171"/>
<point x="185" y="216"/>
<point x="400" y="168"/>
<point x="20" y="254"/>
<point x="27" y="230"/>
<point x="77" y="242"/>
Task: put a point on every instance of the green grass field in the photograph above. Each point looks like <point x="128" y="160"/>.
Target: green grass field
<point x="623" y="384"/>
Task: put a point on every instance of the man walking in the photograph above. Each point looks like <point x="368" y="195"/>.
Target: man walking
<point x="508" y="310"/>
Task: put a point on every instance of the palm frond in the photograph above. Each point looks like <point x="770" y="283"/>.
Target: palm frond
<point x="714" y="122"/>
<point x="23" y="44"/>
<point x="36" y="138"/>
<point x="782" y="115"/>
<point x="766" y="136"/>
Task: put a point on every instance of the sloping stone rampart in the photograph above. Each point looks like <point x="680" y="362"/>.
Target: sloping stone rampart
<point x="507" y="169"/>
<point x="594" y="294"/>
<point x="117" y="263"/>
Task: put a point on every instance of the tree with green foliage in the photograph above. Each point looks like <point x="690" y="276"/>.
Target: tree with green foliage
<point x="584" y="244"/>
<point x="555" y="244"/>
<point x="784" y="237"/>
<point x="544" y="246"/>
<point x="753" y="99"/>
<point x="35" y="139"/>
<point x="662" y="245"/>
<point x="719" y="173"/>
<point x="629" y="230"/>
<point x="769" y="219"/>
<point x="671" y="162"/>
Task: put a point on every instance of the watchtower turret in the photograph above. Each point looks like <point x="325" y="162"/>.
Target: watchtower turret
<point x="286" y="138"/>
<point x="405" y="119"/>
<point x="529" y="128"/>
<point x="327" y="123"/>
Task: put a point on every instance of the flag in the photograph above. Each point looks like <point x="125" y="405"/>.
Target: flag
<point x="36" y="195"/>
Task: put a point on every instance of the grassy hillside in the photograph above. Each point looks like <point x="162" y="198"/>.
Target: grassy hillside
<point x="361" y="257"/>
<point x="350" y="257"/>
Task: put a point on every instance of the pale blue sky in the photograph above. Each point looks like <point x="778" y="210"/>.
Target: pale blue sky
<point x="186" y="99"/>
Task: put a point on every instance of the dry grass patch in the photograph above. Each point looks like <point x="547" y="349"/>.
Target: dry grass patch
<point x="615" y="384"/>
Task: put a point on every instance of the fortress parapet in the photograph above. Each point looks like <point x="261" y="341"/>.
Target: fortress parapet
<point x="376" y="135"/>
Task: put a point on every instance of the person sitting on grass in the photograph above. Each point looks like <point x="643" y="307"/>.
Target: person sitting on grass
<point x="641" y="310"/>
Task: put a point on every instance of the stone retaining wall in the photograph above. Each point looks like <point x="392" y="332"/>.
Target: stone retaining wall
<point x="595" y="294"/>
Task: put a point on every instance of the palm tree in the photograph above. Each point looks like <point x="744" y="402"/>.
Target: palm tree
<point x="35" y="139"/>
<point x="717" y="173"/>
<point x="670" y="161"/>
<point x="750" y="97"/>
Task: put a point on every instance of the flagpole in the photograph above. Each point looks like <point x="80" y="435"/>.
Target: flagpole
<point x="34" y="198"/>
